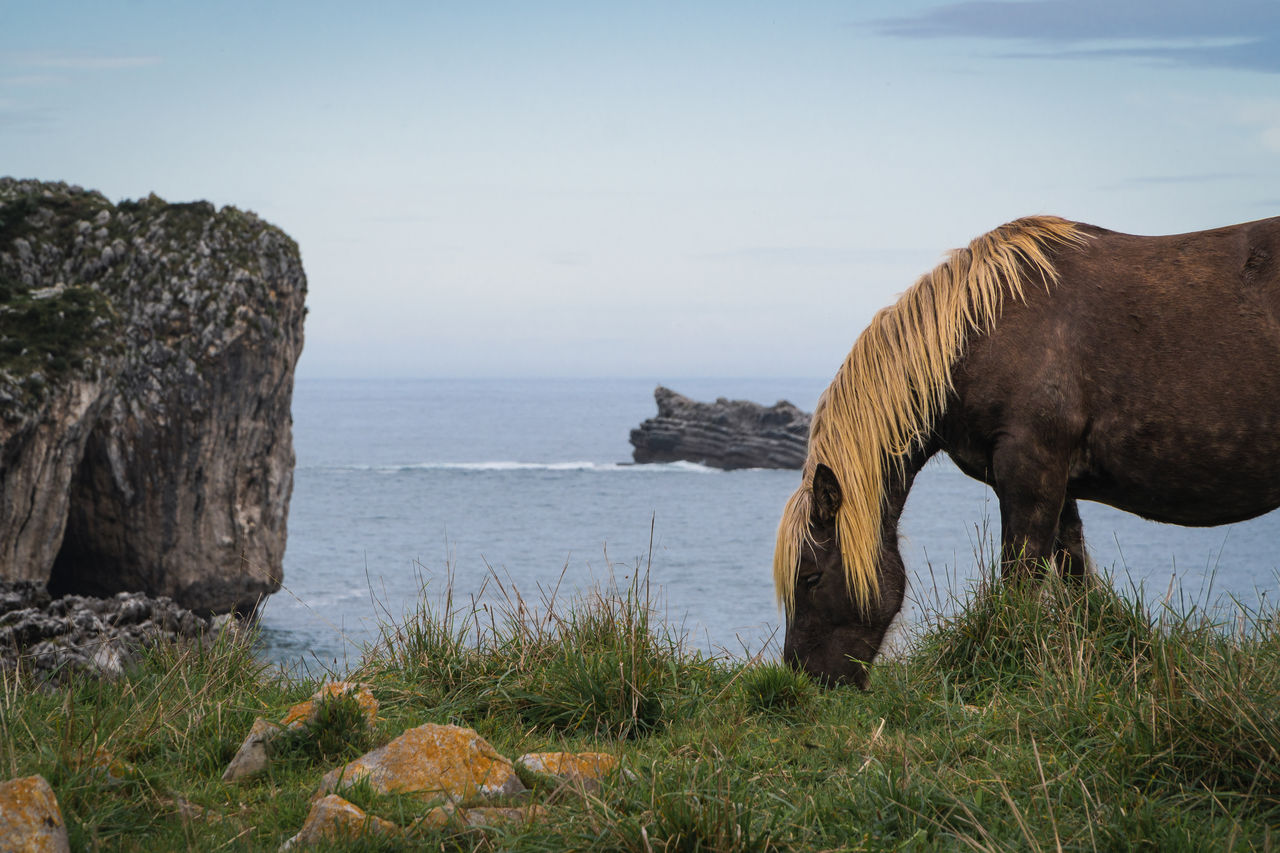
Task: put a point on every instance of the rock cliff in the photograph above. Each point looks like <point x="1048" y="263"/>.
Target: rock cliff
<point x="725" y="434"/>
<point x="147" y="353"/>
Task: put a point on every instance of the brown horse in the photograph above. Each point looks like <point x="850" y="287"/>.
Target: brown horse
<point x="1056" y="362"/>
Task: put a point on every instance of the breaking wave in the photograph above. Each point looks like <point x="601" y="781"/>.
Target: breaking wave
<point x="498" y="466"/>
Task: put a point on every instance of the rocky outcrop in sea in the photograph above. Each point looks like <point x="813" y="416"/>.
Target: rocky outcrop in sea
<point x="147" y="353"/>
<point x="725" y="434"/>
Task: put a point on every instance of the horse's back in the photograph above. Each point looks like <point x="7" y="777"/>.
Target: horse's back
<point x="1152" y="367"/>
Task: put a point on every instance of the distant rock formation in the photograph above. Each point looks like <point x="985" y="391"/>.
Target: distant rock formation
<point x="147" y="353"/>
<point x="725" y="434"/>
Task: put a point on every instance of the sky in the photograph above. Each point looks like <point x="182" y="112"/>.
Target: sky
<point x="658" y="190"/>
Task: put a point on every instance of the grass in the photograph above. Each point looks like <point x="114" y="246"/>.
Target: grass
<point x="1034" y="719"/>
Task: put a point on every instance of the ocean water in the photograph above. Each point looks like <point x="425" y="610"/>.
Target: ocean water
<point x="404" y="487"/>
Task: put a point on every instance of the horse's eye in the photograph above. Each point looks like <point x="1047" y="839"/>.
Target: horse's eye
<point x="812" y="580"/>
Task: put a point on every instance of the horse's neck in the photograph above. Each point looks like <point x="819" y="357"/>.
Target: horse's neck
<point x="898" y="480"/>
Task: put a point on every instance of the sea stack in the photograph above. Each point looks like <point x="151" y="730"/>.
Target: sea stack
<point x="725" y="434"/>
<point x="147" y="353"/>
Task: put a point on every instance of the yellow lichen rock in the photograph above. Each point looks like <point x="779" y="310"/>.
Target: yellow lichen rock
<point x="574" y="766"/>
<point x="446" y="816"/>
<point x="114" y="771"/>
<point x="304" y="712"/>
<point x="437" y="818"/>
<point x="30" y="820"/>
<point x="251" y="759"/>
<point x="334" y="819"/>
<point x="498" y="816"/>
<point x="433" y="762"/>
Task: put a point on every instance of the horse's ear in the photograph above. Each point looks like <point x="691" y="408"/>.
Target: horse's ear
<point x="827" y="496"/>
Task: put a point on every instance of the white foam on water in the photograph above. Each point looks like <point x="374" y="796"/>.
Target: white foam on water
<point x="507" y="465"/>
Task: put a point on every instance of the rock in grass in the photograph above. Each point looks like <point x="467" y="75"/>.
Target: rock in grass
<point x="500" y="816"/>
<point x="433" y="762"/>
<point x="30" y="819"/>
<point x="252" y="758"/>
<point x="581" y="767"/>
<point x="110" y="769"/>
<point x="334" y="819"/>
<point x="304" y="713"/>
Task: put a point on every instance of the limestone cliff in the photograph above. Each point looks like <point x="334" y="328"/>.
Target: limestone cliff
<point x="147" y="353"/>
<point x="725" y="434"/>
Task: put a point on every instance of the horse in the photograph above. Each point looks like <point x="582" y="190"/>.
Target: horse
<point x="1056" y="362"/>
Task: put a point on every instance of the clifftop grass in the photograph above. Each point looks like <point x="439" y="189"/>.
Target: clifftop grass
<point x="1038" y="719"/>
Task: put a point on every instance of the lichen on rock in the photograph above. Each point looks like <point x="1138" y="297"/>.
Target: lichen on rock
<point x="254" y="757"/>
<point x="30" y="818"/>
<point x="434" y="762"/>
<point x="334" y="819"/>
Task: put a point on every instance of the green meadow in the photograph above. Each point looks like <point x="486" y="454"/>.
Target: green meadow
<point x="1026" y="719"/>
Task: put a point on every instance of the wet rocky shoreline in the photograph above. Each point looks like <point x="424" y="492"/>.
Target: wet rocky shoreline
<point x="73" y="635"/>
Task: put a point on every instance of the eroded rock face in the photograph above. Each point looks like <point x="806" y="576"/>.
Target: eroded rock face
<point x="726" y="434"/>
<point x="147" y="353"/>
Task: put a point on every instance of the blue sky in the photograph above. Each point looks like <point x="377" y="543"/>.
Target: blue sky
<point x="656" y="190"/>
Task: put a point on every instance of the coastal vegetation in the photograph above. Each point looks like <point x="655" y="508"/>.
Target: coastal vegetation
<point x="1038" y="718"/>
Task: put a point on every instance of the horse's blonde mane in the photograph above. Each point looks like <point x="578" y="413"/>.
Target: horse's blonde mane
<point x="893" y="386"/>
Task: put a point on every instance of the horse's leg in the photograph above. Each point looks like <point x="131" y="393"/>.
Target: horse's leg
<point x="1073" y="561"/>
<point x="1031" y="483"/>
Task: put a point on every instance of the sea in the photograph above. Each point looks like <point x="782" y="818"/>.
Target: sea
<point x="486" y="493"/>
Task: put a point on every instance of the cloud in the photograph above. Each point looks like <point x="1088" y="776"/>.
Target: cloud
<point x="18" y="80"/>
<point x="34" y="70"/>
<point x="1205" y="178"/>
<point x="64" y="62"/>
<point x="1237" y="34"/>
<point x="17" y="118"/>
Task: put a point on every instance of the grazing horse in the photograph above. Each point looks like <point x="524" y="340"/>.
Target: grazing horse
<point x="1056" y="362"/>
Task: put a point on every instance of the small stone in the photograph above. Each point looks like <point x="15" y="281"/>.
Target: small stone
<point x="446" y="816"/>
<point x="431" y="761"/>
<point x="574" y="766"/>
<point x="496" y="816"/>
<point x="334" y="819"/>
<point x="438" y="818"/>
<point x="30" y="819"/>
<point x="113" y="770"/>
<point x="251" y="759"/>
<point x="305" y="712"/>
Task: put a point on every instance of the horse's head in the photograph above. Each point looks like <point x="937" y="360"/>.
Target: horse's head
<point x="829" y="635"/>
